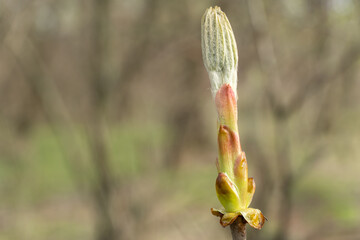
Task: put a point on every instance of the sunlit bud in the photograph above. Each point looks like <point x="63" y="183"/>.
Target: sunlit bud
<point x="233" y="187"/>
<point x="219" y="49"/>
<point x="227" y="193"/>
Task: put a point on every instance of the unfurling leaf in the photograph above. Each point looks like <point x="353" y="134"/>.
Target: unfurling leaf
<point x="229" y="149"/>
<point x="227" y="193"/>
<point x="241" y="178"/>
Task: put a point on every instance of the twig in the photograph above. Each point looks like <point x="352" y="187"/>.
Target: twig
<point x="238" y="230"/>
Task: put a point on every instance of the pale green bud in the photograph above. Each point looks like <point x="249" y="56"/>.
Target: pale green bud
<point x="219" y="49"/>
<point x="227" y="193"/>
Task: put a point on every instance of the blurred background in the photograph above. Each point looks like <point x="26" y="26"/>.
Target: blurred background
<point x="108" y="127"/>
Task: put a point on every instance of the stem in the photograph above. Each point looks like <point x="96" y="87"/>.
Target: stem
<point x="238" y="230"/>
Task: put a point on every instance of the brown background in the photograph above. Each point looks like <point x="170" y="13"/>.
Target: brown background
<point x="108" y="129"/>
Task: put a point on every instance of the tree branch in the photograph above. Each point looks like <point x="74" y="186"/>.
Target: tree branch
<point x="238" y="230"/>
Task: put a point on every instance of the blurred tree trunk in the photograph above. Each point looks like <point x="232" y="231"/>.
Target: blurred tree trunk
<point x="185" y="118"/>
<point x="282" y="109"/>
<point x="318" y="13"/>
<point x="137" y="54"/>
<point x="103" y="186"/>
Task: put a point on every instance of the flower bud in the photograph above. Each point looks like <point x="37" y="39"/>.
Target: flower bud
<point x="233" y="187"/>
<point x="219" y="49"/>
